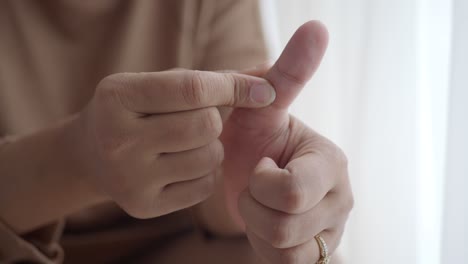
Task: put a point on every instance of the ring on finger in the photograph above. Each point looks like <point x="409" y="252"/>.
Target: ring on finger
<point x="324" y="255"/>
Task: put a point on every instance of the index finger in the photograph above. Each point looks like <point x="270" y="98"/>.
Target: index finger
<point x="173" y="91"/>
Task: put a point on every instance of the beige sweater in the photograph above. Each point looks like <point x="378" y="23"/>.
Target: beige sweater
<point x="52" y="55"/>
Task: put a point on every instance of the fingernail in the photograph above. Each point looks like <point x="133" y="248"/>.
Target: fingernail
<point x="263" y="94"/>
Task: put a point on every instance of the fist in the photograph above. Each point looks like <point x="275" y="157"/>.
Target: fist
<point x="285" y="208"/>
<point x="150" y="140"/>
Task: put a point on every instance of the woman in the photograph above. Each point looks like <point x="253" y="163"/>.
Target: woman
<point x="197" y="158"/>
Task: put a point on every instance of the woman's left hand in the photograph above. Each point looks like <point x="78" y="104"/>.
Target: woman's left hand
<point x="285" y="208"/>
<point x="284" y="182"/>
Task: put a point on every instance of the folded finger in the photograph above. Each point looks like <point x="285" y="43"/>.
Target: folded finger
<point x="284" y="230"/>
<point x="181" y="131"/>
<point x="299" y="187"/>
<point x="190" y="164"/>
<point x="180" y="195"/>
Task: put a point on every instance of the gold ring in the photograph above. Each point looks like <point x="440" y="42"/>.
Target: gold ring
<point x="324" y="257"/>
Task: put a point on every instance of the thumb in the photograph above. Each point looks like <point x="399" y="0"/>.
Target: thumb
<point x="265" y="170"/>
<point x="298" y="62"/>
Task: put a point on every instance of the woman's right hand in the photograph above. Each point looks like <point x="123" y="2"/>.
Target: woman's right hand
<point x="149" y="141"/>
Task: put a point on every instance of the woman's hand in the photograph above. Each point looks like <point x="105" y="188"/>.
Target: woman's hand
<point x="284" y="182"/>
<point x="149" y="141"/>
<point x="285" y="208"/>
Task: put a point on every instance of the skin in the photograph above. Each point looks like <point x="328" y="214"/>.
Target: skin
<point x="155" y="143"/>
<point x="283" y="181"/>
<point x="147" y="141"/>
<point x="155" y="151"/>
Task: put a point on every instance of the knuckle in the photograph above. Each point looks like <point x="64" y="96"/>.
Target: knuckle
<point x="212" y="123"/>
<point x="193" y="90"/>
<point x="140" y="206"/>
<point x="286" y="75"/>
<point x="114" y="89"/>
<point x="206" y="188"/>
<point x="282" y="232"/>
<point x="295" y="196"/>
<point x="335" y="154"/>
<point x="239" y="94"/>
<point x="288" y="256"/>
<point x="341" y="157"/>
<point x="216" y="153"/>
<point x="161" y="203"/>
<point x="349" y="204"/>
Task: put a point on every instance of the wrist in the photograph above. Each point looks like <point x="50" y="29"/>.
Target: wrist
<point x="77" y="157"/>
<point x="213" y="215"/>
<point x="48" y="177"/>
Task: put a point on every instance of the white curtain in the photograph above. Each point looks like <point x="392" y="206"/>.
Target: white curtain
<point x="390" y="94"/>
<point x="455" y="230"/>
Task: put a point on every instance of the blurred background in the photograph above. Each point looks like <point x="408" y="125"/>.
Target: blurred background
<point x="392" y="91"/>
